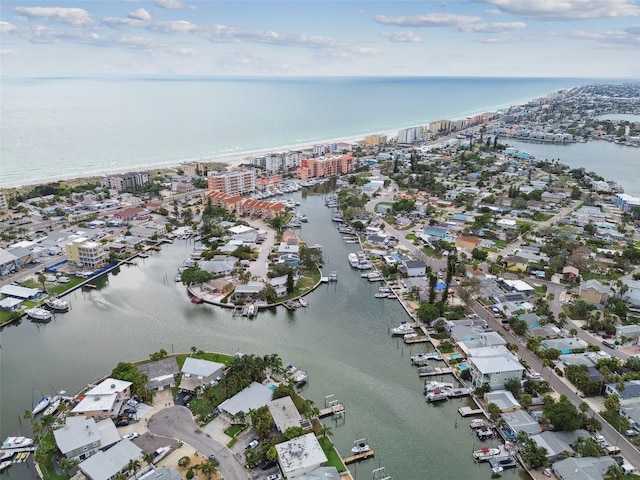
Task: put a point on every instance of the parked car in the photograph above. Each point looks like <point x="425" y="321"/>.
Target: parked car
<point x="505" y="326"/>
<point x="631" y="433"/>
<point x="607" y="343"/>
<point x="253" y="443"/>
<point x="275" y="476"/>
<point x="132" y="403"/>
<point x="130" y="436"/>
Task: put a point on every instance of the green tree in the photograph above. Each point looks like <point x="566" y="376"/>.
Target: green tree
<point x="194" y="275"/>
<point x="563" y="415"/>
<point x="41" y="280"/>
<point x="290" y="283"/>
<point x="427" y="312"/>
<point x="493" y="410"/>
<point x="612" y="403"/>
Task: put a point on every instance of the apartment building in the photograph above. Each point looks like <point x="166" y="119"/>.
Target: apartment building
<point x="235" y="182"/>
<point x="125" y="181"/>
<point x="325" y="167"/>
<point x="83" y="251"/>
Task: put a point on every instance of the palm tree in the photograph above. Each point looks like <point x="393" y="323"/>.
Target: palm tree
<point x="614" y="471"/>
<point x="27" y="415"/>
<point x="326" y="431"/>
<point x="133" y="465"/>
<point x="148" y="458"/>
<point x="67" y="465"/>
<point x="42" y="279"/>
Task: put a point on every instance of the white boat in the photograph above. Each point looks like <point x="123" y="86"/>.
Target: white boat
<point x="38" y="314"/>
<point x="57" y="304"/>
<point x="485" y="454"/>
<point x="303" y="302"/>
<point x="364" y="265"/>
<point x="437" y="395"/>
<point x="375" y="277"/>
<point x="360" y="446"/>
<point x="42" y="404"/>
<point x="434" y="385"/>
<point x="381" y="295"/>
<point x="402" y="329"/>
<point x="409" y="336"/>
<point x="354" y="261"/>
<point x="497" y="469"/>
<point x="6" y="464"/>
<point x="16" y="442"/>
<point x="53" y="406"/>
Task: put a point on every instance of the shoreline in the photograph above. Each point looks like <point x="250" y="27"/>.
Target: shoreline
<point x="236" y="159"/>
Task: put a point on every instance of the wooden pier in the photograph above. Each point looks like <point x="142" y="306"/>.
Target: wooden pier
<point x="359" y="457"/>
<point x="422" y="339"/>
<point x="337" y="409"/>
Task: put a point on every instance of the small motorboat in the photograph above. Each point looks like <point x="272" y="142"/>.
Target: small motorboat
<point x="360" y="446"/>
<point x="16" y="442"/>
<point x="39" y="314"/>
<point x="57" y="305"/>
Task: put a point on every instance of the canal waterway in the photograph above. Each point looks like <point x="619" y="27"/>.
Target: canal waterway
<point x="342" y="339"/>
<point x="610" y="160"/>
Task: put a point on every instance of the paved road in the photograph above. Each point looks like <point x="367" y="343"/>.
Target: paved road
<point x="177" y="422"/>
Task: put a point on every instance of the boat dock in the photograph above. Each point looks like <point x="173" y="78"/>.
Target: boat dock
<point x="358" y="457"/>
<point x="337" y="409"/>
<point x="421" y="339"/>
<point x="436" y="371"/>
<point x="468" y="411"/>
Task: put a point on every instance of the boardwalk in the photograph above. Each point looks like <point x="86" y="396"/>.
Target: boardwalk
<point x="359" y="457"/>
<point x="333" y="410"/>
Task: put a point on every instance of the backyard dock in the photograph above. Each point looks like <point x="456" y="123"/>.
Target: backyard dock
<point x="359" y="457"/>
<point x="468" y="411"/>
<point x="332" y="410"/>
<point x="422" y="339"/>
<point x="436" y="371"/>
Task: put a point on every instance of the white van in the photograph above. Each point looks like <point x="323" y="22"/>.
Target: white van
<point x="626" y="468"/>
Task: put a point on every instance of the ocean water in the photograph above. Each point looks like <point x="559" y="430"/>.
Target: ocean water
<point x="61" y="127"/>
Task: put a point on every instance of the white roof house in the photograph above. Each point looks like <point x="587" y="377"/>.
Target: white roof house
<point x="519" y="286"/>
<point x="105" y="465"/>
<point x="108" y="386"/>
<point x="300" y="456"/>
<point x="284" y="413"/>
<point x="17" y="291"/>
<point x="254" y="396"/>
<point x="78" y="438"/>
<point x="495" y="371"/>
<point x="101" y="399"/>
<point x="201" y="368"/>
<point x="239" y="229"/>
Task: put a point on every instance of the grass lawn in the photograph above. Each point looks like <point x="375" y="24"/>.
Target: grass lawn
<point x="333" y="459"/>
<point x="235" y="429"/>
<point x="571" y="314"/>
<point x="500" y="244"/>
<point x="597" y="276"/>
<point x="410" y="236"/>
<point x="212" y="357"/>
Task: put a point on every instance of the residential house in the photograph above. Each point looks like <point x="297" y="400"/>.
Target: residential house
<point x="582" y="468"/>
<point x="570" y="274"/>
<point x="160" y="374"/>
<point x="564" y="345"/>
<point x="200" y="373"/>
<point x="494" y="371"/>
<point x="468" y="243"/>
<point x="81" y="437"/>
<point x="104" y="400"/>
<point x="503" y="399"/>
<point x="106" y="465"/>
<point x="558" y="443"/>
<point x="632" y="295"/>
<point x="284" y="414"/>
<point x="253" y="397"/>
<point x="300" y="456"/>
<point x="521" y="421"/>
<point x="516" y="262"/>
<point x="631" y="332"/>
<point x="413" y="268"/>
<point x="86" y="253"/>
<point x="629" y="394"/>
<point x="594" y="292"/>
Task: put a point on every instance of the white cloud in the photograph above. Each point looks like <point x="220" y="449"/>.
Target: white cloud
<point x="627" y="37"/>
<point x="6" y="27"/>
<point x="6" y="51"/>
<point x="118" y="22"/>
<point x="403" y="36"/>
<point x="177" y="26"/>
<point x="493" y="27"/>
<point x="429" y="20"/>
<point x="172" y="4"/>
<point x="73" y="16"/>
<point x="140" y="14"/>
<point x="566" y="9"/>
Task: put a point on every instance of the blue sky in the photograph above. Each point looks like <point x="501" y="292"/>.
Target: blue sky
<point x="544" y="38"/>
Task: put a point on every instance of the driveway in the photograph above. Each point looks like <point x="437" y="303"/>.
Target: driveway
<point x="177" y="422"/>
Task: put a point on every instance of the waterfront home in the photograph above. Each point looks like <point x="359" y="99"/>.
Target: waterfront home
<point x="284" y="413"/>
<point x="81" y="437"/>
<point x="521" y="421"/>
<point x="219" y="266"/>
<point x="86" y="253"/>
<point x="104" y="400"/>
<point x="413" y="268"/>
<point x="22" y="293"/>
<point x="579" y="468"/>
<point x="594" y="292"/>
<point x="252" y="397"/>
<point x="558" y="443"/>
<point x="248" y="291"/>
<point x="279" y="284"/>
<point x="300" y="456"/>
<point x="161" y="374"/>
<point x="503" y="399"/>
<point x="106" y="465"/>
<point x="200" y="373"/>
<point x="494" y="371"/>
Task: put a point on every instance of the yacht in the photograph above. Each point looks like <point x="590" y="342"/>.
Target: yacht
<point x="57" y="304"/>
<point x="437" y="395"/>
<point x="39" y="314"/>
<point x="431" y="386"/>
<point x="485" y="454"/>
<point x="402" y="329"/>
<point x="53" y="406"/>
<point x="16" y="442"/>
<point x="354" y="261"/>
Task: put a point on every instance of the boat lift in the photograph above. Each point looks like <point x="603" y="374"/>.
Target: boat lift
<point x="380" y="474"/>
